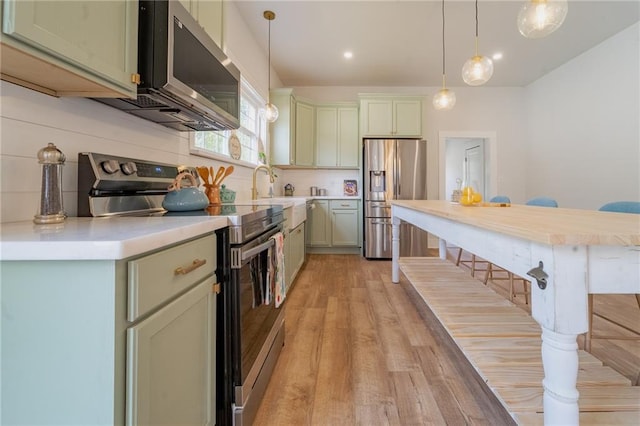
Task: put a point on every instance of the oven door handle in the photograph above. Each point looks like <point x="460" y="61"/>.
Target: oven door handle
<point x="251" y="252"/>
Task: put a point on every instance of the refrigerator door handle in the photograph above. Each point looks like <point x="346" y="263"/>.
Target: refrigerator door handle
<point x="399" y="178"/>
<point x="395" y="170"/>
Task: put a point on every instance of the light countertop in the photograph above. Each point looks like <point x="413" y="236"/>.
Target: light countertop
<point x="99" y="238"/>
<point x="553" y="226"/>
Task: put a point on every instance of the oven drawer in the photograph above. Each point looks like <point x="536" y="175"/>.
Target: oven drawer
<point x="158" y="277"/>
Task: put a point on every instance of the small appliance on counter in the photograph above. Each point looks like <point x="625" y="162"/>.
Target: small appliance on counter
<point x="288" y="190"/>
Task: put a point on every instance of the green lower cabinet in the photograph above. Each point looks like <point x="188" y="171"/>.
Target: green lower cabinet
<point x="344" y="228"/>
<point x="334" y="226"/>
<point x="110" y="342"/>
<point x="319" y="232"/>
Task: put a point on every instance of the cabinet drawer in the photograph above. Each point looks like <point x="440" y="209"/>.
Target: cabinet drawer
<point x="344" y="204"/>
<point x="156" y="278"/>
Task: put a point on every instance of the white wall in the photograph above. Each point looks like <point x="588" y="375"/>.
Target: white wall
<point x="583" y="138"/>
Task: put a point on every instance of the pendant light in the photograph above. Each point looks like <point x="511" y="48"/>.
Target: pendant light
<point x="271" y="111"/>
<point x="445" y="99"/>
<point x="539" y="18"/>
<point x="478" y="69"/>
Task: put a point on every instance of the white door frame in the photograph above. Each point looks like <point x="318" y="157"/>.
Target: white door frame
<point x="491" y="143"/>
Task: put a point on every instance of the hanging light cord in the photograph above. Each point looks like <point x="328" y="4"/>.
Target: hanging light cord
<point x="476" y="18"/>
<point x="476" y="27"/>
<point x="443" y="56"/>
<point x="269" y="66"/>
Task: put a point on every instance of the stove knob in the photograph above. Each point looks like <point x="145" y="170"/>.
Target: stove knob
<point x="110" y="166"/>
<point x="129" y="168"/>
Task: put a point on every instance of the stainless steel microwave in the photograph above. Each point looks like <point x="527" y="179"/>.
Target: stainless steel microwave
<point x="186" y="82"/>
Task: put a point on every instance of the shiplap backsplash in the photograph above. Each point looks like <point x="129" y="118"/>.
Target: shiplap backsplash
<point x="30" y="120"/>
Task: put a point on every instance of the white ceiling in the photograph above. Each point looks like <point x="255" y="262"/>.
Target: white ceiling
<point x="399" y="42"/>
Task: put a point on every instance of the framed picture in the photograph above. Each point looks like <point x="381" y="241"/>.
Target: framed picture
<point x="350" y="187"/>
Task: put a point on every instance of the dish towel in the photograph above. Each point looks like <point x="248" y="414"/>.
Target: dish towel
<point x="277" y="269"/>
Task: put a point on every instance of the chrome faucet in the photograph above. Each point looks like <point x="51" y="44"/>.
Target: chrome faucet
<point x="254" y="190"/>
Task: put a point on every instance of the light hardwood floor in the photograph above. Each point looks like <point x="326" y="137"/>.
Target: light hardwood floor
<point x="358" y="352"/>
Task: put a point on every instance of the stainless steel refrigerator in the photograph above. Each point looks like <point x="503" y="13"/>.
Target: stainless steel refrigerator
<point x="394" y="169"/>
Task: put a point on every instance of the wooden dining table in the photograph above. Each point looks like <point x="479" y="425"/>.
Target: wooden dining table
<point x="579" y="251"/>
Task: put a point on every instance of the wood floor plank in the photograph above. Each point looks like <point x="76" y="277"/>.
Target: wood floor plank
<point x="518" y="356"/>
<point x="333" y="401"/>
<point x="531" y="375"/>
<point x="415" y="401"/>
<point x="587" y="419"/>
<point x="370" y="379"/>
<point x="398" y="352"/>
<point x="592" y="399"/>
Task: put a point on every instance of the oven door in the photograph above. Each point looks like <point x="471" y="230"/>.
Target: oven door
<point x="255" y="323"/>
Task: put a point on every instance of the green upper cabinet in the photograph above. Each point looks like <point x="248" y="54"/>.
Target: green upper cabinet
<point x="282" y="131"/>
<point x="391" y="116"/>
<point x="71" y="48"/>
<point x="326" y="136"/>
<point x="305" y="120"/>
<point x="292" y="134"/>
<point x="309" y="134"/>
<point x="337" y="136"/>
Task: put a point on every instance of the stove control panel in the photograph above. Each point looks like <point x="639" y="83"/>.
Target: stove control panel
<point x="105" y="171"/>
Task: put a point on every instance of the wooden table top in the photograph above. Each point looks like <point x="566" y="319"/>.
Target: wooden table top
<point x="553" y="226"/>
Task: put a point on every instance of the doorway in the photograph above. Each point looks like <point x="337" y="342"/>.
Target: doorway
<point x="479" y="148"/>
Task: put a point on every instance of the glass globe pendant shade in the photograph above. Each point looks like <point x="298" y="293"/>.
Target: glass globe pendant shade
<point x="445" y="99"/>
<point x="477" y="70"/>
<point x="271" y="112"/>
<point x="539" y="18"/>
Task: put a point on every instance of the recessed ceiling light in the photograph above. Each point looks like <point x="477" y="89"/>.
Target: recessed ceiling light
<point x="497" y="56"/>
<point x="348" y="54"/>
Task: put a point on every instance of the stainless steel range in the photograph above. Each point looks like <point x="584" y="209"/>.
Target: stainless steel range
<point x="250" y="328"/>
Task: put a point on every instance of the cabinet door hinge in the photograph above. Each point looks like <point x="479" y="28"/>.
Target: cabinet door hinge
<point x="216" y="288"/>
<point x="135" y="78"/>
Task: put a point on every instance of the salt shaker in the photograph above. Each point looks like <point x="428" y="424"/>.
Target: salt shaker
<point x="51" y="210"/>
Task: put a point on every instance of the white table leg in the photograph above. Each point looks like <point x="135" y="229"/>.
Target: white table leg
<point x="395" y="249"/>
<point x="560" y="362"/>
<point x="442" y="248"/>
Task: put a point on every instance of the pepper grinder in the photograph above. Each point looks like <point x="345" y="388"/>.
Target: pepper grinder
<point x="51" y="210"/>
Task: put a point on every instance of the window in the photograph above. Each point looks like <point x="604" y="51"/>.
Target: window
<point x="252" y="132"/>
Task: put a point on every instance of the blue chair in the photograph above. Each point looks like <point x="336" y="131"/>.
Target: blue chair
<point x="492" y="269"/>
<point x="622" y="207"/>
<point x="473" y="262"/>
<point x="542" y="202"/>
<point x="630" y="207"/>
<point x="500" y="199"/>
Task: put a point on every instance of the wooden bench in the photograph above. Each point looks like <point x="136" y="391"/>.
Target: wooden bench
<point x="502" y="343"/>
